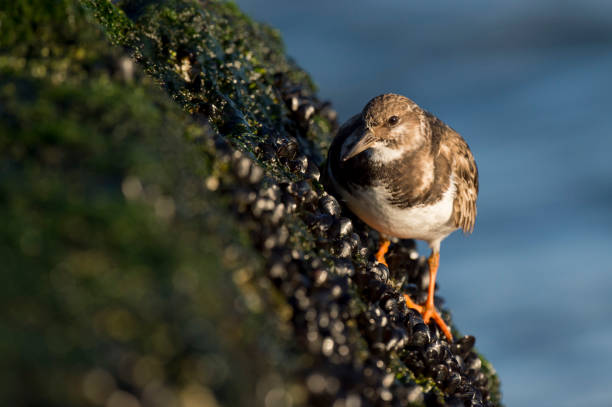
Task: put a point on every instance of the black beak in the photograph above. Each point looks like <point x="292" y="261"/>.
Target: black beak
<point x="365" y="141"/>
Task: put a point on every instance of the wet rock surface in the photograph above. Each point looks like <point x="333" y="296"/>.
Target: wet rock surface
<point x="349" y="310"/>
<point x="349" y="339"/>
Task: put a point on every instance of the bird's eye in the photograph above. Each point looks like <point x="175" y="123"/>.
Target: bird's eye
<point x="393" y="120"/>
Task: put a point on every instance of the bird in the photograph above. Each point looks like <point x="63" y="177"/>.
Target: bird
<point x="406" y="174"/>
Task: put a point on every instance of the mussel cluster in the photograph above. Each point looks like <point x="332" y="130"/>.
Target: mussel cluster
<point x="348" y="312"/>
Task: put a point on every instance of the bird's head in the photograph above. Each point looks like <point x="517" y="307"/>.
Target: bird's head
<point x="391" y="126"/>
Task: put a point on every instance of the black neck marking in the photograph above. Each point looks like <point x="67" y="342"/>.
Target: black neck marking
<point x="405" y="179"/>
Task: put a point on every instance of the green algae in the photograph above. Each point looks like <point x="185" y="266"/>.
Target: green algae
<point x="212" y="60"/>
<point x="108" y="282"/>
<point x="90" y="145"/>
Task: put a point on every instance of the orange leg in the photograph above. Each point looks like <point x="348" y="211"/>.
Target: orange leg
<point x="429" y="310"/>
<point x="382" y="250"/>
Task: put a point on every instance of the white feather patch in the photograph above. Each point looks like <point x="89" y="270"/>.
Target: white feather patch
<point x="379" y="152"/>
<point x="431" y="223"/>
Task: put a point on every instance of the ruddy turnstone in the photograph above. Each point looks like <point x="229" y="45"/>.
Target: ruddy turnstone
<point x="408" y="175"/>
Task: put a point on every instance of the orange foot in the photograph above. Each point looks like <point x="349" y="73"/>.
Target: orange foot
<point x="383" y="248"/>
<point x="429" y="310"/>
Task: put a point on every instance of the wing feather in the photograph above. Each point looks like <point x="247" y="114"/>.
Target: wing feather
<point x="465" y="173"/>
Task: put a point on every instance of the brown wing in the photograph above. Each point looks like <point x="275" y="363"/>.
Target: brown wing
<point x="465" y="173"/>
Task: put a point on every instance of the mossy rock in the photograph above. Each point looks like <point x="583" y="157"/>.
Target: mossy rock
<point x="173" y="246"/>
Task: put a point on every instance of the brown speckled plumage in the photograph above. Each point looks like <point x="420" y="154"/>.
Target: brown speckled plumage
<point x="422" y="175"/>
<point x="406" y="174"/>
<point x="455" y="150"/>
<point x="379" y="108"/>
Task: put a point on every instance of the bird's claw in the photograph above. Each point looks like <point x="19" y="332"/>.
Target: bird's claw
<point x="429" y="312"/>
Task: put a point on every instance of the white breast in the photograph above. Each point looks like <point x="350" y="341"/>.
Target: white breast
<point x="430" y="223"/>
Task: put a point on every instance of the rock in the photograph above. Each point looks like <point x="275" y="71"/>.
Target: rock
<point x="154" y="239"/>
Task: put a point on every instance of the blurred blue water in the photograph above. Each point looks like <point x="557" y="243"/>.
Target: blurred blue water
<point x="529" y="85"/>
